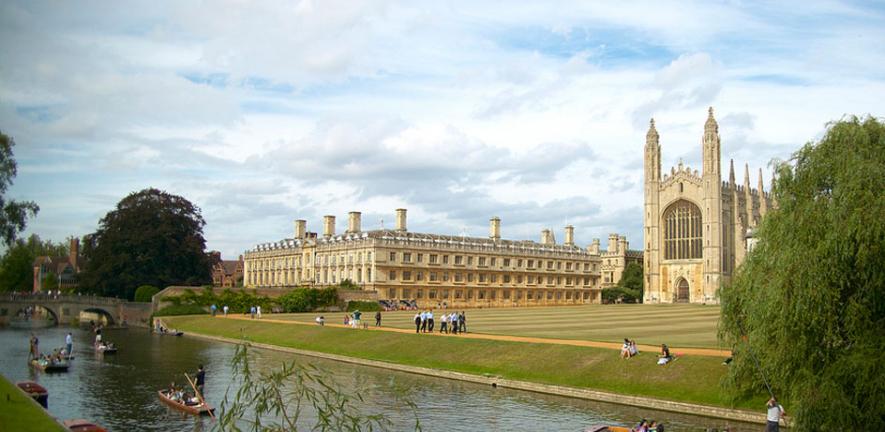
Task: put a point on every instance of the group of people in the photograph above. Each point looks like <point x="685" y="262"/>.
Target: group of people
<point x="214" y="309"/>
<point x="58" y="355"/>
<point x="254" y="311"/>
<point x="629" y="349"/>
<point x="648" y="426"/>
<point x="453" y="322"/>
<point x="186" y="397"/>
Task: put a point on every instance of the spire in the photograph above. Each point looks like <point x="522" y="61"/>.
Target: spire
<point x="711" y="122"/>
<point x="731" y="174"/>
<point x="652" y="135"/>
<point x="747" y="176"/>
<point x="760" y="184"/>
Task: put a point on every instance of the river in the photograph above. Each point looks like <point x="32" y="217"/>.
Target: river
<point x="119" y="391"/>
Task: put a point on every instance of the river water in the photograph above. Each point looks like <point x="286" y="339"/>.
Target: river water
<point x="119" y="391"/>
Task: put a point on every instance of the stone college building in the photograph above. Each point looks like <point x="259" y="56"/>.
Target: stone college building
<point x="696" y="226"/>
<point x="428" y="270"/>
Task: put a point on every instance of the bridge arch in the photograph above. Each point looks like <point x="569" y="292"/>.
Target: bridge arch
<point x="52" y="313"/>
<point x="102" y="313"/>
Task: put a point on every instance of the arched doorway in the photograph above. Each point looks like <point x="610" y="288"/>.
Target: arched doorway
<point x="682" y="292"/>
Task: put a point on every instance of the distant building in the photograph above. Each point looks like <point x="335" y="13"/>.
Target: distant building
<point x="432" y="269"/>
<point x="616" y="258"/>
<point x="696" y="225"/>
<point x="64" y="268"/>
<point x="227" y="273"/>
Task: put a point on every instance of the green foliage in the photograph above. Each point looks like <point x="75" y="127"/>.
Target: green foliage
<point x="809" y="302"/>
<point x="152" y="238"/>
<point x="145" y="293"/>
<point x="347" y="284"/>
<point x="181" y="309"/>
<point x="307" y="299"/>
<point x="628" y="289"/>
<point x="17" y="264"/>
<point x="363" y="306"/>
<point x="238" y="301"/>
<point x="13" y="214"/>
<point x="274" y="400"/>
<point x="50" y="282"/>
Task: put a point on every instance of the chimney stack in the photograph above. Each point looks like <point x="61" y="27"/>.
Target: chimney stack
<point x="622" y="244"/>
<point x="328" y="226"/>
<point x="354" y="222"/>
<point x="495" y="228"/>
<point x="400" y="219"/>
<point x="594" y="247"/>
<point x="75" y="253"/>
<point x="300" y="228"/>
<point x="569" y="235"/>
<point x="547" y="238"/>
<point x="612" y="243"/>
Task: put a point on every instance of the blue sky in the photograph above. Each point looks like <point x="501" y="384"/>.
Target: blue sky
<point x="536" y="112"/>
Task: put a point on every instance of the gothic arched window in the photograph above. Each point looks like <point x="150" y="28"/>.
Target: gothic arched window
<point x="682" y="231"/>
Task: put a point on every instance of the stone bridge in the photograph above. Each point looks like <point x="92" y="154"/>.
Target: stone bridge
<point x="66" y="308"/>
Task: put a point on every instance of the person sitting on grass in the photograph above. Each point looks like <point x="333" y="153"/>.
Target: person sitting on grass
<point x="665" y="356"/>
<point x="321" y="320"/>
<point x="641" y="427"/>
<point x="634" y="350"/>
<point x="625" y="349"/>
<point x="655" y="427"/>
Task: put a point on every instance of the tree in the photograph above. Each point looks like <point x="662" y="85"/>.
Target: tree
<point x="13" y="214"/>
<point x="809" y="301"/>
<point x="145" y="293"/>
<point x="17" y="264"/>
<point x="629" y="288"/>
<point x="151" y="238"/>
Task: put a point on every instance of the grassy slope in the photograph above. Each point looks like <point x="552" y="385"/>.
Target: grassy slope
<point x="690" y="379"/>
<point x="681" y="325"/>
<point x="16" y="414"/>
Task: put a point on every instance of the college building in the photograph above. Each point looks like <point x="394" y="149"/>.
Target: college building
<point x="433" y="269"/>
<point x="697" y="227"/>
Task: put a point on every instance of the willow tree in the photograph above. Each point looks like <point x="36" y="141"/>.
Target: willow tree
<point x="806" y="311"/>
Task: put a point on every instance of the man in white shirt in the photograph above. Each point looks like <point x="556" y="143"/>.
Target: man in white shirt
<point x="69" y="344"/>
<point x="442" y="326"/>
<point x="430" y="321"/>
<point x="775" y="413"/>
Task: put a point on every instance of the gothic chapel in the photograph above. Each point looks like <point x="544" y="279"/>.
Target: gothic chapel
<point x="696" y="225"/>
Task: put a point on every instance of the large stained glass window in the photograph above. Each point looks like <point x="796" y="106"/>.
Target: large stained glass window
<point x="682" y="231"/>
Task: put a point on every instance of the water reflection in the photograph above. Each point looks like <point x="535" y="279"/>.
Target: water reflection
<point x="119" y="391"/>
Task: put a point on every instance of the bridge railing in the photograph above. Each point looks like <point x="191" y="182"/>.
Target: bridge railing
<point x="67" y="298"/>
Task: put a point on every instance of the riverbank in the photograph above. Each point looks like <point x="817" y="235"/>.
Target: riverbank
<point x="18" y="412"/>
<point x="690" y="384"/>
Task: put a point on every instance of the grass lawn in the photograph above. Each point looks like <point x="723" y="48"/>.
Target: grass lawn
<point x="693" y="379"/>
<point x="17" y="414"/>
<point x="680" y="325"/>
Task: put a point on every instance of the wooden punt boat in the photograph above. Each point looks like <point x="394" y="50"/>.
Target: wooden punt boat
<point x="106" y="349"/>
<point x="607" y="428"/>
<point x="199" y="409"/>
<point x="170" y="333"/>
<point x="50" y="366"/>
<point x="35" y="391"/>
<point x="81" y="425"/>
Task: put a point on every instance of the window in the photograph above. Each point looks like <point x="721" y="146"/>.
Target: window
<point x="531" y="264"/>
<point x="445" y="277"/>
<point x="482" y="261"/>
<point x="392" y="275"/>
<point x="459" y="260"/>
<point x="407" y="275"/>
<point x="506" y="262"/>
<point x="682" y="231"/>
<point x="419" y="276"/>
<point x="470" y="260"/>
<point x="494" y="278"/>
<point x="519" y="263"/>
<point x="459" y="277"/>
<point x="493" y="261"/>
<point x="432" y="276"/>
<point x="506" y="278"/>
<point x="549" y="280"/>
<point x="586" y="280"/>
<point x="482" y="277"/>
<point x="568" y="266"/>
<point x="586" y="266"/>
<point x="550" y="265"/>
<point x="469" y="277"/>
<point x="445" y="259"/>
<point x="519" y="279"/>
<point x="506" y="294"/>
<point x="433" y="259"/>
<point x="368" y="275"/>
<point x="420" y="257"/>
<point x="392" y="257"/>
<point x="559" y="265"/>
<point x="407" y="257"/>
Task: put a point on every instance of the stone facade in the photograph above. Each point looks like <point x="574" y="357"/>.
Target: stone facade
<point x="615" y="258"/>
<point x="64" y="268"/>
<point x="226" y="273"/>
<point x="432" y="269"/>
<point x="695" y="224"/>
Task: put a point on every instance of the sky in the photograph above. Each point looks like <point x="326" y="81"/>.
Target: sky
<point x="261" y="113"/>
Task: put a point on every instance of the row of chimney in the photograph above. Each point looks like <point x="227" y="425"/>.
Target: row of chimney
<point x="354" y="220"/>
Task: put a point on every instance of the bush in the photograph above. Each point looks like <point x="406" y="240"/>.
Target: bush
<point x="307" y="299"/>
<point x="145" y="293"/>
<point x="185" y="309"/>
<point x="625" y="295"/>
<point x="364" y="306"/>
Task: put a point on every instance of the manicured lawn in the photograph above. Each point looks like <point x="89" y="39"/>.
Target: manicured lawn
<point x="17" y="414"/>
<point x="692" y="379"/>
<point x="680" y="325"/>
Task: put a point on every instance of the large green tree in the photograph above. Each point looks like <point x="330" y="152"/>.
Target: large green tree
<point x="809" y="302"/>
<point x="151" y="238"/>
<point x="17" y="264"/>
<point x="629" y="287"/>
<point x="13" y="214"/>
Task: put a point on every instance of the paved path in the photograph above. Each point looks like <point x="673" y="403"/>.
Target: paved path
<point x="609" y="345"/>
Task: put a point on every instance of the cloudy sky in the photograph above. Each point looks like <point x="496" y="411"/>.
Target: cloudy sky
<point x="264" y="112"/>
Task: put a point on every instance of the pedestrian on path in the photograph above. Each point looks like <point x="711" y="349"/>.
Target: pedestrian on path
<point x="378" y="319"/>
<point x="417" y="323"/>
<point x="430" y="320"/>
<point x="775" y="414"/>
<point x="258" y="311"/>
<point x="225" y="309"/>
<point x="443" y="321"/>
<point x="424" y="322"/>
